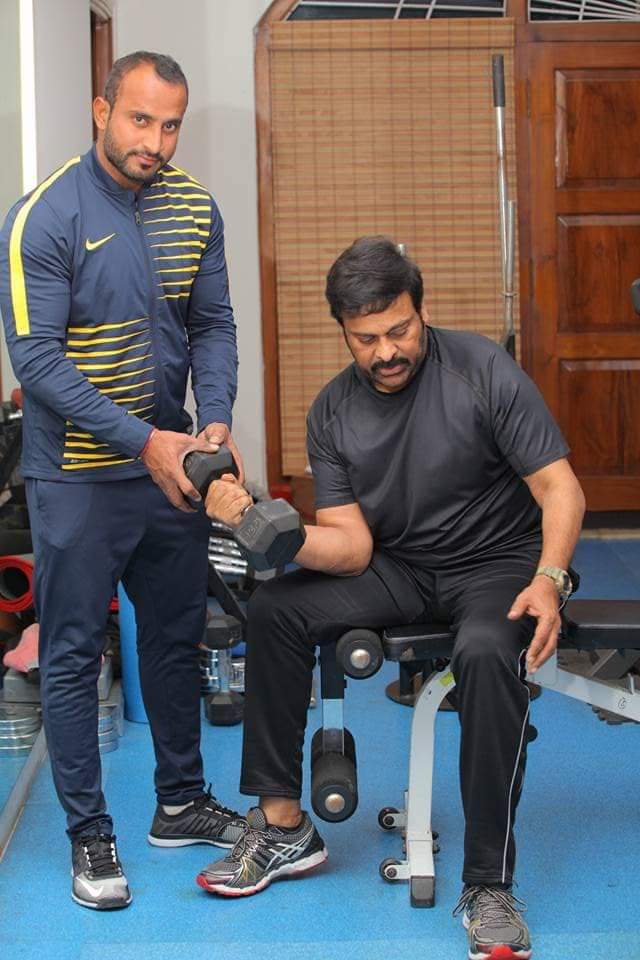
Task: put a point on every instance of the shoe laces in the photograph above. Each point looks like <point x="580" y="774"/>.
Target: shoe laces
<point x="211" y="803"/>
<point x="100" y="851"/>
<point x="495" y="905"/>
<point x="248" y="842"/>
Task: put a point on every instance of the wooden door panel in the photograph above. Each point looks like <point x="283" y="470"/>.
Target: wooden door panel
<point x="631" y="419"/>
<point x="588" y="397"/>
<point x="598" y="256"/>
<point x="590" y="103"/>
<point x="598" y="345"/>
<point x="585" y="251"/>
<point x="619" y="199"/>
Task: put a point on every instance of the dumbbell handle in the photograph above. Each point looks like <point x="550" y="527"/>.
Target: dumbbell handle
<point x="270" y="534"/>
<point x="203" y="468"/>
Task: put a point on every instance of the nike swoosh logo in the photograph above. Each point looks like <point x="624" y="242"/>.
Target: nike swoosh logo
<point x="94" y="891"/>
<point x="94" y="244"/>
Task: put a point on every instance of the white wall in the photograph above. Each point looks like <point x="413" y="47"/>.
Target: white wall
<point x="213" y="42"/>
<point x="10" y="121"/>
<point x="46" y="112"/>
<point x="11" y="179"/>
<point x="62" y="41"/>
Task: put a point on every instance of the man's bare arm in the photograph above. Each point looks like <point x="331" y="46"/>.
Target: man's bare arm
<point x="340" y="543"/>
<point x="560" y="497"/>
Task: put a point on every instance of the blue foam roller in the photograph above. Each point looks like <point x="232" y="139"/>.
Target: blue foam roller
<point x="133" y="706"/>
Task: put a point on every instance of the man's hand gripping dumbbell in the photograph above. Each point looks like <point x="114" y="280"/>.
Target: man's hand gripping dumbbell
<point x="270" y="532"/>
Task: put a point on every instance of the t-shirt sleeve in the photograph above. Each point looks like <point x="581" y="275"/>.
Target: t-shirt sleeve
<point x="523" y="428"/>
<point x="330" y="475"/>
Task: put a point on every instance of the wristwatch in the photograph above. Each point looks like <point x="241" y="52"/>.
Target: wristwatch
<point x="561" y="579"/>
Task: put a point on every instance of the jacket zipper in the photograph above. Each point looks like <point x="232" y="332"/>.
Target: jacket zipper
<point x="152" y="315"/>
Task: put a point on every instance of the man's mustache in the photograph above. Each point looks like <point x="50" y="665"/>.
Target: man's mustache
<point x="149" y="156"/>
<point x="388" y="364"/>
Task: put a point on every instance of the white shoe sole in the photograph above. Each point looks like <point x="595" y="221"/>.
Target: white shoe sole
<point x="96" y="906"/>
<point x="286" y="870"/>
<point x="185" y="842"/>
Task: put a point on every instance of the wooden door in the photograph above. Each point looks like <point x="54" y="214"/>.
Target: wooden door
<point x="583" y="337"/>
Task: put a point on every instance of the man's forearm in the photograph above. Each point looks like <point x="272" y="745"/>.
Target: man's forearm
<point x="562" y="512"/>
<point x="331" y="550"/>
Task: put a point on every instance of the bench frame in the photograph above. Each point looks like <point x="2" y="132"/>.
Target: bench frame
<point x="587" y="625"/>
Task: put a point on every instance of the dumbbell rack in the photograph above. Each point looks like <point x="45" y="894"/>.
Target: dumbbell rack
<point x="224" y="552"/>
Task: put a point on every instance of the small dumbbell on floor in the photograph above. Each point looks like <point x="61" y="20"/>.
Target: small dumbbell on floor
<point x="224" y="708"/>
<point x="270" y="533"/>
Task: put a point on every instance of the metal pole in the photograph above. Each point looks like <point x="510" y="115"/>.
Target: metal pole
<point x="509" y="337"/>
<point x="506" y="207"/>
<point x="497" y="66"/>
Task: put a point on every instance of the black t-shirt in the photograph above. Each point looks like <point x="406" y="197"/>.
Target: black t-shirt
<point x="437" y="467"/>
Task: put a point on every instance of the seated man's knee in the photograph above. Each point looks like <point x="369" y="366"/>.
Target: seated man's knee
<point x="489" y="644"/>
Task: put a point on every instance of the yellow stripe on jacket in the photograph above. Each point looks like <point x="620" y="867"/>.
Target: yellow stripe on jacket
<point x="18" y="285"/>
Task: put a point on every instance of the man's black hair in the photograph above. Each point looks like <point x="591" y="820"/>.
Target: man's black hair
<point x="164" y="65"/>
<point x="368" y="276"/>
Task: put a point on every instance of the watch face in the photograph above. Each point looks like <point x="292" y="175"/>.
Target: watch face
<point x="565" y="582"/>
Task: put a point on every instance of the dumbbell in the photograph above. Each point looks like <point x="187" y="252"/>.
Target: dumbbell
<point x="225" y="707"/>
<point x="271" y="531"/>
<point x="360" y="653"/>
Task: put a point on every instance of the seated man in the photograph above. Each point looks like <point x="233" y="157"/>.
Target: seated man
<point x="442" y="492"/>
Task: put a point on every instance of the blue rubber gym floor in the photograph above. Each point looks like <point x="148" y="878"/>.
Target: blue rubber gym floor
<point x="578" y="839"/>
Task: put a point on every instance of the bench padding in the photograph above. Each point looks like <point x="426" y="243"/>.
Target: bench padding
<point x="586" y="625"/>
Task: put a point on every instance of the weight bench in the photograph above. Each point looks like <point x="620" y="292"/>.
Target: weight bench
<point x="587" y="625"/>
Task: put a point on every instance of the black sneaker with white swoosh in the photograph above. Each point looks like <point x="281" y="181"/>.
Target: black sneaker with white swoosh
<point x="262" y="854"/>
<point x="98" y="879"/>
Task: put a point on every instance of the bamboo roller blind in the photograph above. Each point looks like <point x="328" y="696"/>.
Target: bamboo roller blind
<point x="382" y="127"/>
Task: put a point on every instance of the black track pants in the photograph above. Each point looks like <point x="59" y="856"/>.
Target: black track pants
<point x="290" y="616"/>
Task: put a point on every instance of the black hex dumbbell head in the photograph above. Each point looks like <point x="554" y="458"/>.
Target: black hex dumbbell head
<point x="222" y="632"/>
<point x="270" y="534"/>
<point x="203" y="468"/>
<point x="224" y="709"/>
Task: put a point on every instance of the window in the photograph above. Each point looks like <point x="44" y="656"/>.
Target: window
<point x="587" y="11"/>
<point x="395" y="9"/>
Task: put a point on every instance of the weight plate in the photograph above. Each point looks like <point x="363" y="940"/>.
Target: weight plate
<point x="18" y="739"/>
<point x="107" y="736"/>
<point x="19" y="715"/>
<point x="12" y="730"/>
<point x="19" y="751"/>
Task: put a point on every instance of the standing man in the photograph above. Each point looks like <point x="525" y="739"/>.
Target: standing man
<point x="442" y="492"/>
<point x="113" y="285"/>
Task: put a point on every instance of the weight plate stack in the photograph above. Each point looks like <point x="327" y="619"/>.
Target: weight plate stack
<point x="107" y="730"/>
<point x="224" y="552"/>
<point x="19" y="727"/>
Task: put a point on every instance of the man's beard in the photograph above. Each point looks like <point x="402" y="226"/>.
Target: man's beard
<point x="119" y="161"/>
